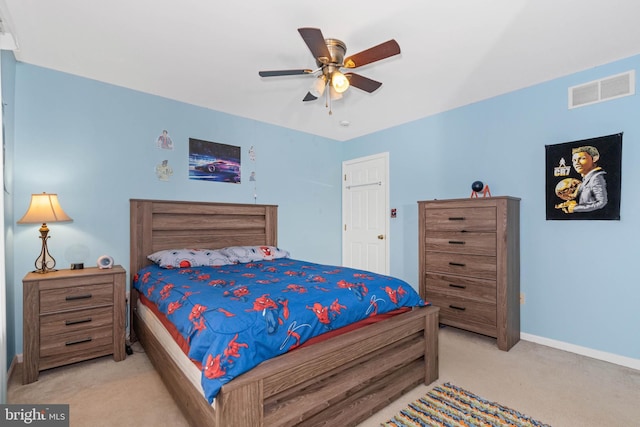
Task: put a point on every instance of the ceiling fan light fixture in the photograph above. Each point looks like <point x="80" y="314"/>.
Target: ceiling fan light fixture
<point x="318" y="87"/>
<point x="334" y="95"/>
<point x="339" y="81"/>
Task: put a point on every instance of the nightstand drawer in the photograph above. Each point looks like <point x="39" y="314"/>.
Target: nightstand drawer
<point x="75" y="346"/>
<point x="71" y="298"/>
<point x="469" y="288"/>
<point x="466" y="265"/>
<point x="461" y="219"/>
<point x="60" y="323"/>
<point x="483" y="243"/>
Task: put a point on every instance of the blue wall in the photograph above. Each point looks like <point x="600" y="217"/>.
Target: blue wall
<point x="94" y="145"/>
<point x="579" y="277"/>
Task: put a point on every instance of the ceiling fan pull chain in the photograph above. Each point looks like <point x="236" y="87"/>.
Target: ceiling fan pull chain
<point x="327" y="99"/>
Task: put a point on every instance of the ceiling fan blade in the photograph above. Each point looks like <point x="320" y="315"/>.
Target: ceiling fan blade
<point x="315" y="41"/>
<point x="361" y="82"/>
<point x="376" y="53"/>
<point x="284" y="72"/>
<point x="309" y="97"/>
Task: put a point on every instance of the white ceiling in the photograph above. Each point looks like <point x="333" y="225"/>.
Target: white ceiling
<point x="208" y="53"/>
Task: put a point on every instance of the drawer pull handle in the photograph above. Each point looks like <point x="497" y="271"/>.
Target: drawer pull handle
<point x="455" y="307"/>
<point x="75" y="322"/>
<point x="75" y="297"/>
<point x="457" y="264"/>
<point x="456" y="242"/>
<point x="78" y="341"/>
<point x="457" y="286"/>
<point x="456" y="218"/>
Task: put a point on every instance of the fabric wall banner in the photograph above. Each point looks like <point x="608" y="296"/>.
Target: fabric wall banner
<point x="583" y="179"/>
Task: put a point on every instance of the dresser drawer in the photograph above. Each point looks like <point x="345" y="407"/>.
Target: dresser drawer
<point x="460" y="312"/>
<point x="480" y="266"/>
<point x="60" y="323"/>
<point x="483" y="243"/>
<point x="75" y="346"/>
<point x="461" y="219"/>
<point x="469" y="288"/>
<point x="76" y="297"/>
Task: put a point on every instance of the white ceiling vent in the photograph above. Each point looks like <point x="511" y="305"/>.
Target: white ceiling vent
<point x="605" y="89"/>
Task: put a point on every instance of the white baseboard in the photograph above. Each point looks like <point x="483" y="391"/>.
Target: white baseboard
<point x="629" y="362"/>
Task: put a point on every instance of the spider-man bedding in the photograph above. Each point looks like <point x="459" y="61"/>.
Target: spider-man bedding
<point x="235" y="316"/>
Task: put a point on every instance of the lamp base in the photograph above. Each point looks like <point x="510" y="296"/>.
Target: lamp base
<point x="44" y="271"/>
<point x="45" y="263"/>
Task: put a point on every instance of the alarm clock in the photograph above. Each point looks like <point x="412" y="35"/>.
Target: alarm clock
<point x="105" y="261"/>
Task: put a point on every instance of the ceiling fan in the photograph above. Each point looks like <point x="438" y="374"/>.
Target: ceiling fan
<point x="329" y="56"/>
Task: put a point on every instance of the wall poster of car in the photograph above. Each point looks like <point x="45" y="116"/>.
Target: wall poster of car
<point x="212" y="161"/>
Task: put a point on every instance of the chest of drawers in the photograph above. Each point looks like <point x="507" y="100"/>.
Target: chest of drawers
<point x="70" y="316"/>
<point x="469" y="264"/>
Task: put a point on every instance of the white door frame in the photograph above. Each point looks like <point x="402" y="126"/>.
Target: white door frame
<point x="385" y="185"/>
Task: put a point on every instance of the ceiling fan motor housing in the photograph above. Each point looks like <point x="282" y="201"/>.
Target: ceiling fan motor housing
<point x="337" y="50"/>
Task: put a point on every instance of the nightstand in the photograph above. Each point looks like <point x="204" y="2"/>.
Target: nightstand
<point x="70" y="316"/>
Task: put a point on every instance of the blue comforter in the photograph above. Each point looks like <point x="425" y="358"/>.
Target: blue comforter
<point x="235" y="316"/>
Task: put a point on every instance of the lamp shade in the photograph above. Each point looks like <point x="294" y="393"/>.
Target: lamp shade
<point x="339" y="81"/>
<point x="44" y="208"/>
<point x="334" y="94"/>
<point x="318" y="86"/>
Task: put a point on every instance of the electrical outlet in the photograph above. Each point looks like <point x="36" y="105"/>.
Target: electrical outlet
<point x="521" y="298"/>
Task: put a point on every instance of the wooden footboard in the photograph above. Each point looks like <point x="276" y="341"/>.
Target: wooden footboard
<point x="338" y="382"/>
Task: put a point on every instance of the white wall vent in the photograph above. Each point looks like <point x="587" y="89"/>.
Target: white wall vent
<point x="605" y="89"/>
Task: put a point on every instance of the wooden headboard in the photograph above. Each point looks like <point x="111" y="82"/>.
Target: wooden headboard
<point x="163" y="224"/>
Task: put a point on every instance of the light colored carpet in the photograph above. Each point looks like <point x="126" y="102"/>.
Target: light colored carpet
<point x="556" y="387"/>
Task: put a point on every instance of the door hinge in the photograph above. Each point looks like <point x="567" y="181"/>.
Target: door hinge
<point x="345" y="227"/>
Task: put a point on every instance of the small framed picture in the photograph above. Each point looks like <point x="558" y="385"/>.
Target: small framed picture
<point x="212" y="161"/>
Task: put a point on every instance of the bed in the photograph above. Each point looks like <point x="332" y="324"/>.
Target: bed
<point x="341" y="381"/>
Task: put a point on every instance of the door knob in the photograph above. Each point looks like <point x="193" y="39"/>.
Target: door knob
<point x="381" y="236"/>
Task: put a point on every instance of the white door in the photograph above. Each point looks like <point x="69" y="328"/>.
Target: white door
<point x="365" y="205"/>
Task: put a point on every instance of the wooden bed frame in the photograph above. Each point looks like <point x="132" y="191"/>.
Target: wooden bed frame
<point x="341" y="381"/>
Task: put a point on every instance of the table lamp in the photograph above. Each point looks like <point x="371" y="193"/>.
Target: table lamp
<point x="42" y="209"/>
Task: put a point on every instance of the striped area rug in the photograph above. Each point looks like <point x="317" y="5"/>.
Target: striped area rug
<point x="451" y="406"/>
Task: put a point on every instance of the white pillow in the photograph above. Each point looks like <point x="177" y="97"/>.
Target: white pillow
<point x="254" y="253"/>
<point x="183" y="258"/>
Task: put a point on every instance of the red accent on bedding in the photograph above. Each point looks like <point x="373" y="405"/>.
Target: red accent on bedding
<point x="352" y="327"/>
<point x="173" y="331"/>
<point x="184" y="346"/>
